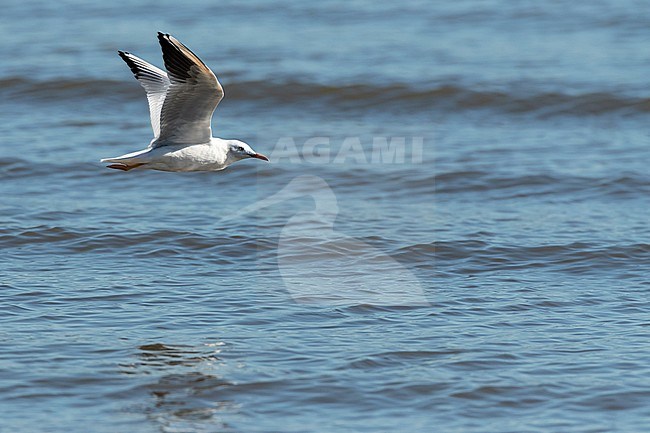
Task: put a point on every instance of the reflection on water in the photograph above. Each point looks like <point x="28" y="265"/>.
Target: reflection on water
<point x="160" y="355"/>
<point x="186" y="394"/>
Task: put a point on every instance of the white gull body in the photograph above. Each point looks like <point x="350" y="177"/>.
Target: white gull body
<point x="181" y="103"/>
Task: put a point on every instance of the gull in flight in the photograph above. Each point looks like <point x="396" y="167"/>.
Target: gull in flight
<point x="181" y="103"/>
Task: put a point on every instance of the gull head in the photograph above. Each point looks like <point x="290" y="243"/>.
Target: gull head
<point x="238" y="150"/>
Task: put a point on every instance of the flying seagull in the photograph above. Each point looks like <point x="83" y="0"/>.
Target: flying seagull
<point x="181" y="103"/>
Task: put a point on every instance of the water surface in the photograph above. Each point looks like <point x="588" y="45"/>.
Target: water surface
<point x="496" y="281"/>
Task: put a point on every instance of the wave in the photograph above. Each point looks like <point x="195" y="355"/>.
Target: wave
<point x="535" y="184"/>
<point x="155" y="243"/>
<point x="392" y="98"/>
<point x="466" y="256"/>
<point x="462" y="256"/>
<point x="444" y="185"/>
<point x="471" y="256"/>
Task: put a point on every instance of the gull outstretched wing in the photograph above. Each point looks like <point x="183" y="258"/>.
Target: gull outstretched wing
<point x="191" y="97"/>
<point x="155" y="83"/>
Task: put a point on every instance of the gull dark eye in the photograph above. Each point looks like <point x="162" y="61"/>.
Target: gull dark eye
<point x="240" y="149"/>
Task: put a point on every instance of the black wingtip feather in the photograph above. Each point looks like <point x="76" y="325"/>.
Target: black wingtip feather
<point x="129" y="62"/>
<point x="177" y="63"/>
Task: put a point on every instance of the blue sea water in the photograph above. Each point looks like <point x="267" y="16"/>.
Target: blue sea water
<point x="452" y="234"/>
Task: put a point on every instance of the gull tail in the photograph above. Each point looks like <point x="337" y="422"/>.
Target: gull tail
<point x="125" y="162"/>
<point x="122" y="166"/>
